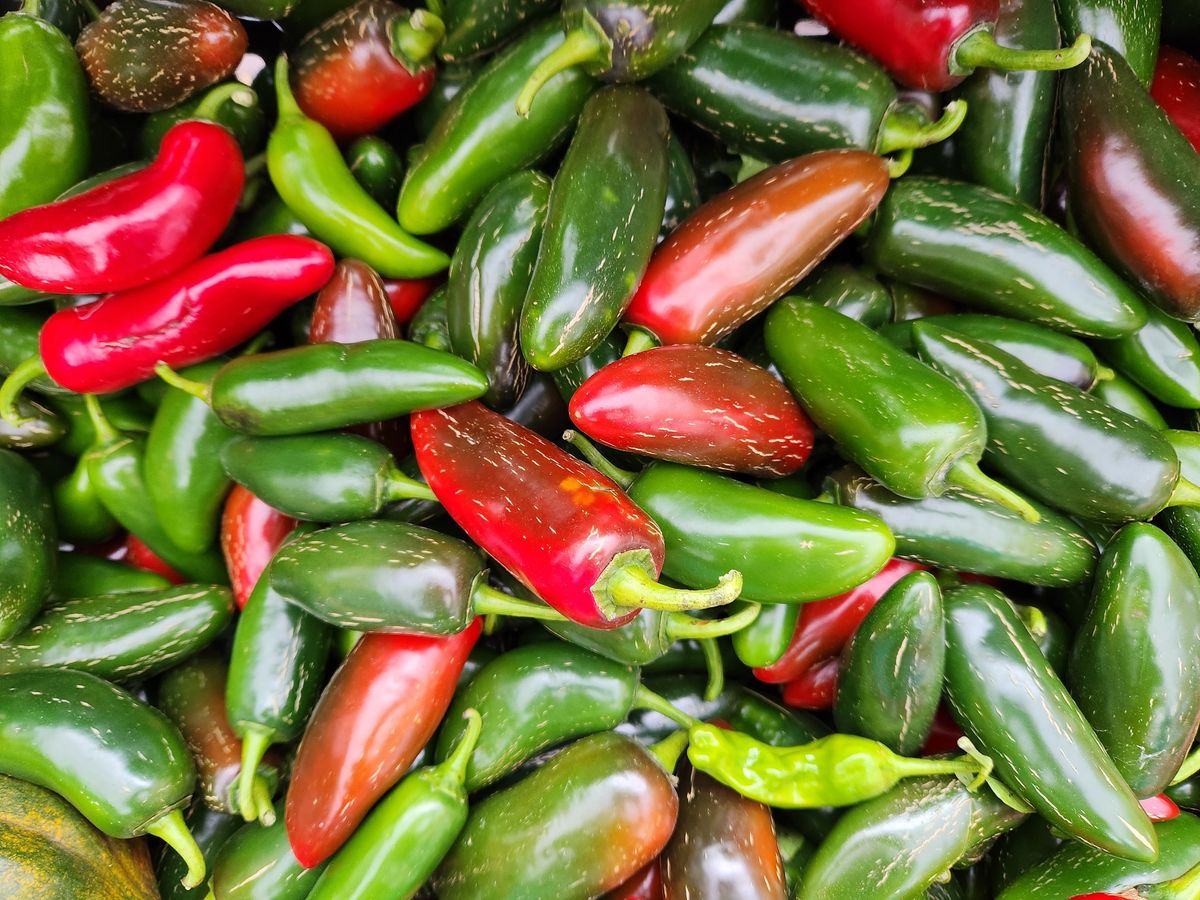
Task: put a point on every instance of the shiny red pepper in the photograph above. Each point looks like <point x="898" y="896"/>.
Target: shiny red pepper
<point x="699" y="406"/>
<point x="568" y="533"/>
<point x="135" y="229"/>
<point x="1160" y="808"/>
<point x="814" y="689"/>
<point x="382" y="706"/>
<point x="408" y="294"/>
<point x="207" y="308"/>
<point x="645" y="884"/>
<point x="1176" y="87"/>
<point x="251" y="532"/>
<point x="825" y="626"/>
<point x="138" y="554"/>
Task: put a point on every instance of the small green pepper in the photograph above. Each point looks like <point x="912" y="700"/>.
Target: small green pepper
<point x="1162" y="357"/>
<point x="257" y="863"/>
<point x="377" y="166"/>
<point x="764" y="640"/>
<point x="84" y="575"/>
<point x="82" y="517"/>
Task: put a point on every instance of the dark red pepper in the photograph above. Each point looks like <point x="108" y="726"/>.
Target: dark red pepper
<point x="251" y="532"/>
<point x="138" y="554"/>
<point x="699" y="406"/>
<point x="645" y="884"/>
<point x="1160" y="808"/>
<point x="932" y="45"/>
<point x="1176" y="87"/>
<point x="568" y="533"/>
<point x="382" y="706"/>
<point x="814" y="689"/>
<point x="825" y="626"/>
<point x="207" y="308"/>
<point x="135" y="229"/>
<point x="943" y="736"/>
<point x="407" y="295"/>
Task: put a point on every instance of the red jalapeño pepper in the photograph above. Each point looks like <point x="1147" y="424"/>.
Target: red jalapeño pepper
<point x="1176" y="87"/>
<point x="211" y="306"/>
<point x="251" y="532"/>
<point x="382" y="706"/>
<point x="138" y="554"/>
<point x="814" y="689"/>
<point x="699" y="406"/>
<point x="565" y="531"/>
<point x="407" y="295"/>
<point x="646" y="884"/>
<point x="826" y="625"/>
<point x="932" y="45"/>
<point x="135" y="229"/>
<point x="1159" y="808"/>
<point x="744" y="248"/>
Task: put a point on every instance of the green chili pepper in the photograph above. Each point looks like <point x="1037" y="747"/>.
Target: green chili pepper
<point x="910" y="302"/>
<point x="960" y="532"/>
<point x="430" y="326"/>
<point x="569" y="378"/>
<point x="84" y="575"/>
<point x="311" y="177"/>
<point x="82" y="518"/>
<point x="606" y="208"/>
<point x="1162" y="357"/>
<point x="451" y="80"/>
<point x="37" y="427"/>
<point x="765" y="639"/>
<point x="479" y="139"/>
<point x="117" y="761"/>
<point x="232" y="105"/>
<point x="1181" y="523"/>
<point x="28" y="543"/>
<point x="1186" y="793"/>
<point x="270" y="216"/>
<point x="683" y="192"/>
<point x="1014" y="707"/>
<point x="912" y="429"/>
<point x="121" y="637"/>
<point x="257" y="863"/>
<point x="1131" y="29"/>
<point x="377" y="166"/>
<point x="1062" y="445"/>
<point x="1120" y="393"/>
<point x="43" y="113"/>
<point x="211" y="829"/>
<point x="991" y="251"/>
<point x="851" y="292"/>
<point x="1050" y="633"/>
<point x="475" y="27"/>
<point x="1020" y="850"/>
<point x="19" y="329"/>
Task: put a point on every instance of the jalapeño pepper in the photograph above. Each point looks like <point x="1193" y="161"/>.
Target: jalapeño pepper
<point x="851" y="292"/>
<point x="1129" y="28"/>
<point x="27" y="544"/>
<point x="475" y="27"/>
<point x="1162" y="357"/>
<point x="1120" y="393"/>
<point x="257" y="863"/>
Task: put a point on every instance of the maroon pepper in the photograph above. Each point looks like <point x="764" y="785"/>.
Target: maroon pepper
<point x="1176" y="87"/>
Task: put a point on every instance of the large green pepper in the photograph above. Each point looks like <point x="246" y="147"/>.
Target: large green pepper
<point x="1130" y="27"/>
<point x="28" y="543"/>
<point x="1014" y="707"/>
<point x="991" y="251"/>
<point x="1134" y="666"/>
<point x="1162" y="357"/>
<point x="606" y="207"/>
<point x="43" y="113"/>
<point x="119" y="762"/>
<point x="257" y="863"/>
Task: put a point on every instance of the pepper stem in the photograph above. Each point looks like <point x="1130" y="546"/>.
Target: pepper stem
<point x="174" y="832"/>
<point x="10" y="392"/>
<point x="105" y="433"/>
<point x="197" y="389"/>
<point x="1186" y="493"/>
<point x="979" y="49"/>
<point x="454" y="768"/>
<point x="285" y="100"/>
<point x="598" y="460"/>
<point x="903" y="133"/>
<point x="1103" y="373"/>
<point x="588" y="44"/>
<point x="910" y="767"/>
<point x="639" y="339"/>
<point x="669" y="749"/>
<point x="630" y="585"/>
<point x="967" y="475"/>
<point x="1190" y="767"/>
<point x="415" y="38"/>
<point x="262" y="802"/>
<point x="896" y="166"/>
<point x="716" y="669"/>
<point x="400" y="487"/>
<point x="986" y="763"/>
<point x="644" y="698"/>
<point x="212" y="102"/>
<point x="488" y="602"/>
<point x="749" y="167"/>
<point x="682" y="627"/>
<point x="255" y="742"/>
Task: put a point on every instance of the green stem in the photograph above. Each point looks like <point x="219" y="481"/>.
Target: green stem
<point x="489" y="601"/>
<point x="1104" y="373"/>
<point x="171" y="829"/>
<point x="986" y="764"/>
<point x="10" y="392"/>
<point x="400" y="487"/>
<point x="910" y="767"/>
<point x="967" y="475"/>
<point x="264" y="810"/>
<point x="639" y="339"/>
<point x="257" y="343"/>
<point x="91" y="9"/>
<point x="644" y="698"/>
<point x="905" y="133"/>
<point x="1190" y="767"/>
<point x="669" y="749"/>
<point x="750" y="166"/>
<point x="682" y="627"/>
<point x="896" y="166"/>
<point x="716" y="669"/>
<point x="414" y="39"/>
<point x="285" y="100"/>
<point x="197" y="389"/>
<point x="598" y="460"/>
<point x="979" y="49"/>
<point x="105" y="433"/>
<point x="454" y="768"/>
<point x="1186" y="493"/>
<point x="630" y="585"/>
<point x="582" y="45"/>
<point x="255" y="742"/>
<point x="212" y="102"/>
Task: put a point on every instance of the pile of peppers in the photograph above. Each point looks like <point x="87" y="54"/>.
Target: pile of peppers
<point x="630" y="449"/>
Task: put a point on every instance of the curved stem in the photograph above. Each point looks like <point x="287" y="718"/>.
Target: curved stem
<point x="1186" y="493"/>
<point x="716" y="669"/>
<point x="197" y="389"/>
<point x="979" y="48"/>
<point x="749" y="167"/>
<point x="212" y="102"/>
<point x="105" y="433"/>
<point x="682" y="627"/>
<point x="400" y="487"/>
<point x="255" y="742"/>
<point x="967" y="475"/>
<point x="173" y="831"/>
<point x="639" y="339"/>
<point x="581" y="45"/>
<point x="1103" y="373"/>
<point x="986" y="764"/>
<point x="896" y="166"/>
<point x="490" y="602"/>
<point x="902" y="133"/>
<point x="644" y="698"/>
<point x="414" y="39"/>
<point x="598" y="460"/>
<point x="632" y="586"/>
<point x="454" y="768"/>
<point x="10" y="392"/>
<point x="285" y="100"/>
<point x="263" y="808"/>
<point x="669" y="749"/>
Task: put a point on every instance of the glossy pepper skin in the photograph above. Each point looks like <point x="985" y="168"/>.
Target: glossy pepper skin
<point x="766" y="639"/>
<point x="314" y="181"/>
<point x="479" y="139"/>
<point x="257" y="863"/>
<point x="1130" y="29"/>
<point x="377" y="166"/>
<point x="475" y="27"/>
<point x="851" y="292"/>
<point x="1121" y="393"/>
<point x="381" y="707"/>
<point x="251" y="532"/>
<point x="606" y="207"/>
<point x="1176" y="88"/>
<point x="364" y="66"/>
<point x="135" y="229"/>
<point x="211" y="830"/>
<point x="1132" y="178"/>
<point x="83" y="519"/>
<point x="43" y="101"/>
<point x="993" y="252"/>
<point x="727" y="261"/>
<point x="489" y="277"/>
<point x="696" y="405"/>
<point x="1132" y="667"/>
<point x="28" y="543"/>
<point x="577" y="827"/>
<point x="83" y="575"/>
<point x="1017" y="711"/>
<point x="1162" y="357"/>
<point x="231" y="104"/>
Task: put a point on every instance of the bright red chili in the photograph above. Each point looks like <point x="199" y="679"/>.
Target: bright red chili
<point x="645" y="884"/>
<point x="568" y="533"/>
<point x="1176" y="87"/>
<point x="207" y="308"/>
<point x="741" y="250"/>
<point x="251" y="532"/>
<point x="932" y="45"/>
<point x="1160" y="808"/>
<point x="825" y="626"/>
<point x="699" y="406"/>
<point x="814" y="689"/>
<point x="382" y="706"/>
<point x="138" y="554"/>
<point x="943" y="736"/>
<point x="135" y="229"/>
<point x="408" y="294"/>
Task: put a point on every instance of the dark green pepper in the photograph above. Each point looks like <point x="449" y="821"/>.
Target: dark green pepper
<point x="232" y="105"/>
<point x="1130" y="27"/>
<point x="475" y="27"/>
<point x="1162" y="357"/>
<point x="606" y="207"/>
<point x="683" y="192"/>
<point x="257" y="863"/>
<point x="19" y="329"/>
<point x="1050" y="633"/>
<point x="83" y="575"/>
<point x="569" y="378"/>
<point x="1183" y="523"/>
<point x="1186" y="794"/>
<point x="450" y="82"/>
<point x="430" y="326"/>
<point x="1120" y="393"/>
<point x="851" y="292"/>
<point x="270" y="216"/>
<point x="28" y="543"/>
<point x="1020" y="850"/>
<point x="377" y="166"/>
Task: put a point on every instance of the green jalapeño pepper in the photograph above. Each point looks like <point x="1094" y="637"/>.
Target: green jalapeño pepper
<point x="1121" y="393"/>
<point x="1133" y="664"/>
<point x="912" y="429"/>
<point x="1060" y="444"/>
<point x="231" y="104"/>
<point x="606" y="207"/>
<point x="1180" y="522"/>
<point x="43" y="111"/>
<point x="83" y="575"/>
<point x="257" y="863"/>
<point x="1129" y="28"/>
<point x="479" y="139"/>
<point x="28" y="543"/>
<point x="36" y="427"/>
<point x="377" y="166"/>
<point x="764" y="640"/>
<point x="83" y="519"/>
<point x="119" y="762"/>
<point x="1011" y="703"/>
<point x="324" y="386"/>
<point x="320" y="477"/>
<point x="991" y="251"/>
<point x="475" y="27"/>
<point x="851" y="292"/>
<point x="1162" y="357"/>
<point x="314" y="181"/>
